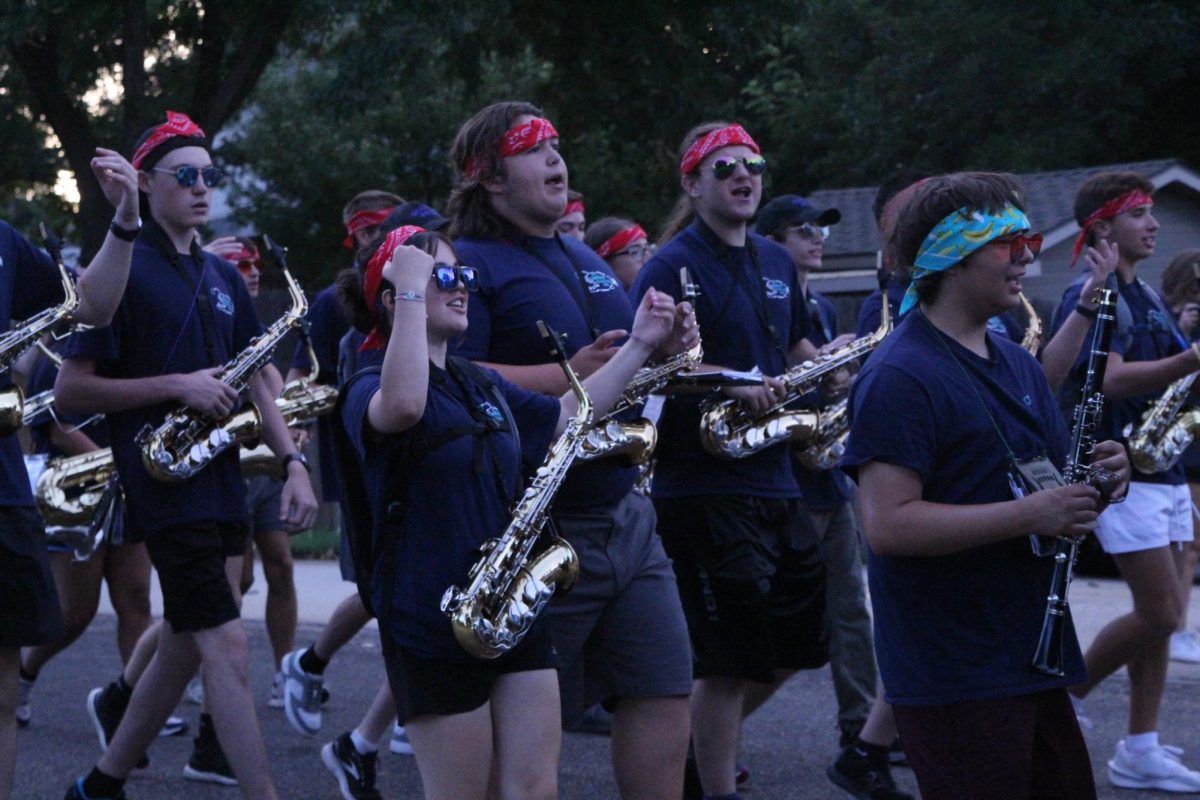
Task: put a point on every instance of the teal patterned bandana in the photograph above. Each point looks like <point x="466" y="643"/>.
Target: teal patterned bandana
<point x="955" y="238"/>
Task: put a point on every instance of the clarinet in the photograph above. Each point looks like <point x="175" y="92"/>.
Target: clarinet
<point x="1048" y="657"/>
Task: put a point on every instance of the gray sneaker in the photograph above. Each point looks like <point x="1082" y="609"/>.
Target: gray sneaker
<point x="301" y="695"/>
<point x="24" y="711"/>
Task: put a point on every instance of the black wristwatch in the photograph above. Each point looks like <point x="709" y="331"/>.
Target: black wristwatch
<point x="125" y="234"/>
<point x="290" y="457"/>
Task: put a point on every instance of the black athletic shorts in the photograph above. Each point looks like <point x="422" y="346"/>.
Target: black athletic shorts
<point x="29" y="608"/>
<point x="190" y="560"/>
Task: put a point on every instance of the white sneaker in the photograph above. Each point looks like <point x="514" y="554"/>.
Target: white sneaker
<point x="1185" y="648"/>
<point x="276" y="698"/>
<point x="400" y="744"/>
<point x="1153" y="769"/>
<point x="301" y="695"/>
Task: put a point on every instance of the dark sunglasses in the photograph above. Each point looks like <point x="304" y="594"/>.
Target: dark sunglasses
<point x="1017" y="242"/>
<point x="724" y="167"/>
<point x="187" y="174"/>
<point x="448" y="277"/>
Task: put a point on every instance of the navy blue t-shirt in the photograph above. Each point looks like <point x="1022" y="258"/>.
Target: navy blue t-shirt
<point x="562" y="281"/>
<point x="452" y="504"/>
<point x="41" y="379"/>
<point x="157" y="330"/>
<point x="23" y="267"/>
<point x="1155" y="334"/>
<point x="959" y="627"/>
<point x="730" y="312"/>
<point x="826" y="490"/>
<point x="327" y="324"/>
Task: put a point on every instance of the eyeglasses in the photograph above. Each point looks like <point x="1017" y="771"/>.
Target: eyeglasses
<point x="187" y="174"/>
<point x="1017" y="242"/>
<point x="809" y="231"/>
<point x="448" y="277"/>
<point x="246" y="267"/>
<point x="637" y="251"/>
<point x="724" y="167"/>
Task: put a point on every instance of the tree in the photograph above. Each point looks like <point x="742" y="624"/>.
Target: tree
<point x="166" y="54"/>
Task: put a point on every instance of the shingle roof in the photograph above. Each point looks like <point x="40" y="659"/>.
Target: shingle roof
<point x="1050" y="194"/>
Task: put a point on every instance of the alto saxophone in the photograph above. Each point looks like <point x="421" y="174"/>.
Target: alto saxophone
<point x="301" y="401"/>
<point x="635" y="440"/>
<point x="25" y="335"/>
<point x="1165" y="430"/>
<point x="1032" y="340"/>
<point x="727" y="430"/>
<point x="512" y="583"/>
<point x="187" y="440"/>
<point x="826" y="449"/>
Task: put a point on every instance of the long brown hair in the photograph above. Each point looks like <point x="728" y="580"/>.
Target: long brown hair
<point x="685" y="210"/>
<point x="478" y="140"/>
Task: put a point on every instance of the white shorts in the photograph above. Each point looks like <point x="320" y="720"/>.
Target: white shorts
<point x="1154" y="515"/>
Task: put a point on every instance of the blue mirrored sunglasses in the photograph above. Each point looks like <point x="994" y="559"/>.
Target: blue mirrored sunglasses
<point x="448" y="277"/>
<point x="186" y="175"/>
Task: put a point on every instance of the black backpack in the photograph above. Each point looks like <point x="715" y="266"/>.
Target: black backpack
<point x="372" y="546"/>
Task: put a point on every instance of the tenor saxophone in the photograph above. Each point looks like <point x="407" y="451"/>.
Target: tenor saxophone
<point x="187" y="440"/>
<point x="635" y="441"/>
<point x="510" y="585"/>
<point x="1165" y="430"/>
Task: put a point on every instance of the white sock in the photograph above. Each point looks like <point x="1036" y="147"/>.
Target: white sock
<point x="1141" y="742"/>
<point x="361" y="744"/>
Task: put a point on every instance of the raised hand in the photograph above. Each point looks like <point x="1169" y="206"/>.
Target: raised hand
<point x="654" y="318"/>
<point x="118" y="181"/>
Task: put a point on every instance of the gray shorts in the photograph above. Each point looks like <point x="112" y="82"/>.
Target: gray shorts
<point x="621" y="631"/>
<point x="262" y="502"/>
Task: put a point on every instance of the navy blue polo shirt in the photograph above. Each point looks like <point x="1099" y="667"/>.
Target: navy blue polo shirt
<point x="562" y="281"/>
<point x="1155" y="334"/>
<point x="733" y="313"/>
<point x="827" y="490"/>
<point x="24" y="266"/>
<point x="327" y="324"/>
<point x="175" y="308"/>
<point x="452" y="504"/>
<point x="41" y="379"/>
<point x="959" y="627"/>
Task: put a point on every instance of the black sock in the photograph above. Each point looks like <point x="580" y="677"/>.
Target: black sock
<point x="98" y="785"/>
<point x="872" y="752"/>
<point x="312" y="663"/>
<point x="28" y="677"/>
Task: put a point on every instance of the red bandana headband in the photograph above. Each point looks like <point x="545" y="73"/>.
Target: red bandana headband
<point x="245" y="254"/>
<point x="177" y="124"/>
<point x="620" y="240"/>
<point x="715" y="140"/>
<point x="515" y="141"/>
<point x="373" y="277"/>
<point x="1113" y="208"/>
<point x="573" y="206"/>
<point x="364" y="219"/>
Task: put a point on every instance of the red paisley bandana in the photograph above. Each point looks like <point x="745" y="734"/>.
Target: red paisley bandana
<point x="177" y="124"/>
<point x="373" y="277"/>
<point x="245" y="254"/>
<point x="515" y="141"/>
<point x="620" y="240"/>
<point x="573" y="206"/>
<point x="715" y="140"/>
<point x="1113" y="208"/>
<point x="364" y="219"/>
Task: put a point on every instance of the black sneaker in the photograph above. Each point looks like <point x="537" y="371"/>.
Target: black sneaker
<point x="896" y="755"/>
<point x="864" y="778"/>
<point x="106" y="708"/>
<point x="76" y="793"/>
<point x="208" y="762"/>
<point x="354" y="771"/>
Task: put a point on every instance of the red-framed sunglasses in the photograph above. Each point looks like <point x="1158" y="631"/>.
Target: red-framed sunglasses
<point x="1017" y="242"/>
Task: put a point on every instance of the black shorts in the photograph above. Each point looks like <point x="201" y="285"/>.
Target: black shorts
<point x="752" y="583"/>
<point x="424" y="687"/>
<point x="190" y="560"/>
<point x="29" y="610"/>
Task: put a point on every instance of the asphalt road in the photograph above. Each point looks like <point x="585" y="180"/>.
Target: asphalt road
<point x="786" y="746"/>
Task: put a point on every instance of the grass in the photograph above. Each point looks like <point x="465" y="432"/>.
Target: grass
<point x="320" y="541"/>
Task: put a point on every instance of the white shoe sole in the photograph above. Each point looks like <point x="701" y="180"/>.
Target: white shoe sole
<point x="208" y="777"/>
<point x="1164" y="784"/>
<point x="91" y="709"/>
<point x="294" y="715"/>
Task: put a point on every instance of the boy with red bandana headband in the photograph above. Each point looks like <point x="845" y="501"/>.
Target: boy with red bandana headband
<point x="622" y="620"/>
<point x="1144" y="535"/>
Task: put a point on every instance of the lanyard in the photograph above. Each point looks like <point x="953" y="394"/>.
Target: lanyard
<point x="758" y="300"/>
<point x="584" y="302"/>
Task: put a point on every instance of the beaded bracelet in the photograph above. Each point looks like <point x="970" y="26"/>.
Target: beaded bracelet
<point x="410" y="297"/>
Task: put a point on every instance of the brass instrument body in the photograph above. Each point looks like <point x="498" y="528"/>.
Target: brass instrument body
<point x="1032" y="340"/>
<point x="70" y="488"/>
<point x="512" y="582"/>
<point x="827" y="448"/>
<point x="187" y="440"/>
<point x="300" y="401"/>
<point x="15" y="342"/>
<point x="632" y="442"/>
<point x="1165" y="429"/>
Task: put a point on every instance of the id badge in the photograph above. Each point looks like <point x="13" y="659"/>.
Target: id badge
<point x="1035" y="475"/>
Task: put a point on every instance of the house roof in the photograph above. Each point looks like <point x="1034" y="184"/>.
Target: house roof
<point x="1051" y="196"/>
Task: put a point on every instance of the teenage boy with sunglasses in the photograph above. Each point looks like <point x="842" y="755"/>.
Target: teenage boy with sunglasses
<point x="620" y="632"/>
<point x="746" y="559"/>
<point x="1145" y="536"/>
<point x="866" y="731"/>
<point x="184" y="314"/>
<point x="958" y="593"/>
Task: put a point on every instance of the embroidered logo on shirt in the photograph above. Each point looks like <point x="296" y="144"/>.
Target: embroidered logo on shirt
<point x="223" y="301"/>
<point x="996" y="325"/>
<point x="492" y="412"/>
<point x="776" y="289"/>
<point x="599" y="282"/>
<point x="1157" y="321"/>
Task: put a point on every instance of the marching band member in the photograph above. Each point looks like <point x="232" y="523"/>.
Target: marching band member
<point x="623" y="245"/>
